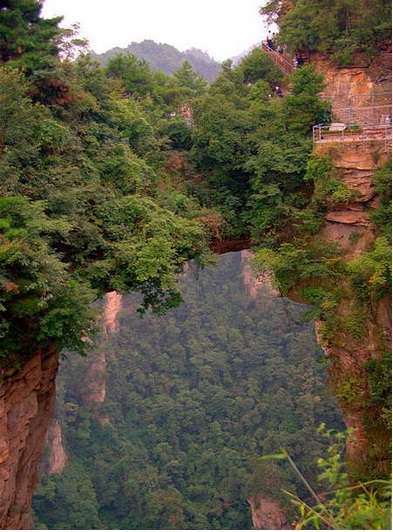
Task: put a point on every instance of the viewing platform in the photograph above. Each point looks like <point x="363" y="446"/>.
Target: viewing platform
<point x="363" y="119"/>
<point x="365" y="136"/>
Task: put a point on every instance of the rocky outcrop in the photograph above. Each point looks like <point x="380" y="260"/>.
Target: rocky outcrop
<point x="360" y="93"/>
<point x="27" y="401"/>
<point x="267" y="514"/>
<point x="355" y="168"/>
<point x="94" y="382"/>
<point x="112" y="307"/>
<point x="253" y="281"/>
<point x="93" y="391"/>
<point x="57" y="454"/>
<point x="349" y="225"/>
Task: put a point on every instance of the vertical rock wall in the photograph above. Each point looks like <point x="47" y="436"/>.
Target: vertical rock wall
<point x="349" y="225"/>
<point x="27" y="401"/>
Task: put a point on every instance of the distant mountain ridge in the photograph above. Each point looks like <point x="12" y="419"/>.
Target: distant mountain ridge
<point x="166" y="58"/>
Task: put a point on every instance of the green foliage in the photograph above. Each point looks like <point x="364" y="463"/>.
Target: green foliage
<point x="303" y="107"/>
<point x="193" y="398"/>
<point x="179" y="134"/>
<point x="81" y="163"/>
<point x="382" y="216"/>
<point x="27" y="39"/>
<point x="371" y="272"/>
<point x="379" y="373"/>
<point x="366" y="506"/>
<point x="316" y="263"/>
<point x="256" y="148"/>
<point x="257" y="66"/>
<point x="134" y="73"/>
<point x="71" y="496"/>
<point x="335" y="27"/>
<point x="190" y="80"/>
<point x="328" y="190"/>
<point x="41" y="303"/>
<point x="21" y="122"/>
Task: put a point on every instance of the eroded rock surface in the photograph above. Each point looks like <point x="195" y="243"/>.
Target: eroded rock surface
<point x="27" y="401"/>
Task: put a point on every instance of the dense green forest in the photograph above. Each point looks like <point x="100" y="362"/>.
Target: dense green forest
<point x="115" y="177"/>
<point x="344" y="30"/>
<point x="194" y="399"/>
<point x="108" y="186"/>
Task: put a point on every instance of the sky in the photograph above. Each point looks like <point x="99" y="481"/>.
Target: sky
<point x="221" y="28"/>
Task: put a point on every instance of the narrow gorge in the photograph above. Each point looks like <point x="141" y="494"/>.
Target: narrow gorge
<point x="185" y="405"/>
<point x="219" y="254"/>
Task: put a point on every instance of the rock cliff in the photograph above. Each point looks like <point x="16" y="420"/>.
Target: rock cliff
<point x="349" y="224"/>
<point x="27" y="396"/>
<point x="27" y="403"/>
<point x="27" y="400"/>
<point x="57" y="455"/>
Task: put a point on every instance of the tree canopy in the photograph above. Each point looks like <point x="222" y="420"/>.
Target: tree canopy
<point x="339" y="28"/>
<point x="82" y="188"/>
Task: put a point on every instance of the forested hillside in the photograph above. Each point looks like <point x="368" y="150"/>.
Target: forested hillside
<point x="165" y="58"/>
<point x="84" y="191"/>
<point x="194" y="399"/>
<point x="115" y="177"/>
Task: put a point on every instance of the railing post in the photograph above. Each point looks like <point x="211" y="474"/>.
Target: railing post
<point x="317" y="133"/>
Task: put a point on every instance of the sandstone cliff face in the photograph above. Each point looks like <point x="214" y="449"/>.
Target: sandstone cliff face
<point x="57" y="456"/>
<point x="365" y="88"/>
<point x="94" y="382"/>
<point x="27" y="400"/>
<point x="349" y="225"/>
<point x="355" y="166"/>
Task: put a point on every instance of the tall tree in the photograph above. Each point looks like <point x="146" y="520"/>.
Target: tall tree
<point x="187" y="78"/>
<point x="27" y="37"/>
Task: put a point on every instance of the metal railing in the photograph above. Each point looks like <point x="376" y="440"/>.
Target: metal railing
<point x="371" y="99"/>
<point x="364" y="117"/>
<point x="361" y="135"/>
<point x="279" y="59"/>
<point x="375" y="115"/>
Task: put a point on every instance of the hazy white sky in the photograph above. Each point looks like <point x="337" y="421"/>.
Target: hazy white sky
<point x="222" y="28"/>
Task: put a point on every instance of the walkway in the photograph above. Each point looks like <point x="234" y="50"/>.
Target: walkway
<point x="282" y="60"/>
<point x="363" y="118"/>
<point x="365" y="136"/>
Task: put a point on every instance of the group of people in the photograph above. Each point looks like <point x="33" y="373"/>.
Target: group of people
<point x="272" y="45"/>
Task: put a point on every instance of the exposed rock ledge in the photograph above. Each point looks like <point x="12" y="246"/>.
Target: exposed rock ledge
<point x="351" y="215"/>
<point x="27" y="401"/>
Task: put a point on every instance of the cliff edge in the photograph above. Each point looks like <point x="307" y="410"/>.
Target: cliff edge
<point x="27" y="401"/>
